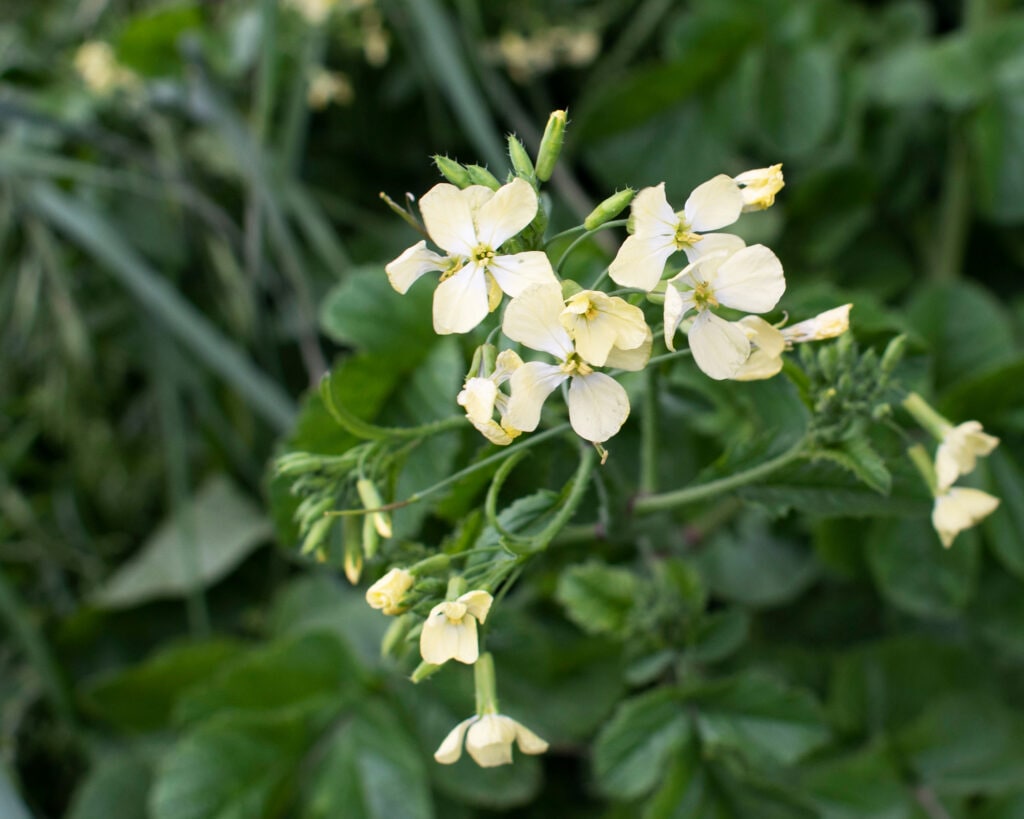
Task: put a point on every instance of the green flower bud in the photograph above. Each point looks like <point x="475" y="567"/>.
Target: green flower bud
<point x="371" y="499"/>
<point x="453" y="171"/>
<point x="551" y="145"/>
<point x="423" y="671"/>
<point x="316" y="534"/>
<point x="396" y="633"/>
<point x="609" y="208"/>
<point x="521" y="162"/>
<point x="479" y="175"/>
<point x="893" y="354"/>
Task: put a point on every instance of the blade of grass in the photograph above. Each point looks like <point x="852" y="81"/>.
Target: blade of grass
<point x="190" y="327"/>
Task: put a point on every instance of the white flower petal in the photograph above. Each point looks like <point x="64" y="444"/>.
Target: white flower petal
<point x="712" y="250"/>
<point x="478" y="397"/>
<point x="507" y="362"/>
<point x="449" y="219"/>
<point x="439" y="640"/>
<point x="532" y="318"/>
<point x="960" y="508"/>
<point x="505" y="214"/>
<point x="477" y="603"/>
<point x="714" y="204"/>
<point x="764" y="336"/>
<point x="633" y="359"/>
<point x="640" y="261"/>
<point x="719" y="347"/>
<point x="652" y="214"/>
<point x="531" y="384"/>
<point x="598" y="406"/>
<point x="750" y="280"/>
<point x="829" y="324"/>
<point x="517" y="272"/>
<point x="468" y="649"/>
<point x="758" y="367"/>
<point x="460" y="302"/>
<point x="489" y="740"/>
<point x="529" y="742"/>
<point x="412" y="264"/>
<point x="677" y="305"/>
<point x="959" y="451"/>
<point x="451" y="749"/>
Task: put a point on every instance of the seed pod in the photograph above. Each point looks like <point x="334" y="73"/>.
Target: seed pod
<point x="551" y="145"/>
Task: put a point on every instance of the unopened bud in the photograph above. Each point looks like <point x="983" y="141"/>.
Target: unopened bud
<point x="371" y="499"/>
<point x="453" y="171"/>
<point x="296" y="463"/>
<point x="551" y="145"/>
<point x="893" y="354"/>
<point x="316" y="534"/>
<point x="609" y="208"/>
<point x="353" y="559"/>
<point x="479" y="175"/>
<point x="423" y="671"/>
<point x="521" y="162"/>
<point x="396" y="633"/>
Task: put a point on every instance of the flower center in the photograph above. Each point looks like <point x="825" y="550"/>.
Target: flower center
<point x="454" y="611"/>
<point x="704" y="296"/>
<point x="482" y="254"/>
<point x="684" y="236"/>
<point x="574" y="365"/>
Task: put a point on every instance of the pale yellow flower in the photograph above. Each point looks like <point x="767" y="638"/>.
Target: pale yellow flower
<point x="759" y="187"/>
<point x="959" y="451"/>
<point x="387" y="593"/>
<point x="768" y="342"/>
<point x="100" y="70"/>
<point x="489" y="741"/>
<point x="481" y="397"/>
<point x="960" y="508"/>
<point x="328" y="88"/>
<point x="449" y="632"/>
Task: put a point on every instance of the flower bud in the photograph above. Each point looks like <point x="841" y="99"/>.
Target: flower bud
<point x="371" y="499"/>
<point x="387" y="593"/>
<point x="609" y="208"/>
<point x="479" y="175"/>
<point x="521" y="162"/>
<point x="316" y="535"/>
<point x="893" y="354"/>
<point x="759" y="187"/>
<point x="398" y="630"/>
<point x="551" y="145"/>
<point x="453" y="171"/>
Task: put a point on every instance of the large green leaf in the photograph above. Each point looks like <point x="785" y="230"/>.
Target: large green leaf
<point x="998" y="138"/>
<point x="758" y="716"/>
<point x="864" y="783"/>
<point x="142" y="698"/>
<point x="372" y="770"/>
<point x="635" y="746"/>
<point x="310" y="670"/>
<point x="915" y="573"/>
<point x="209" y="536"/>
<point x="799" y="99"/>
<point x="597" y="597"/>
<point x="117" y="786"/>
<point x="231" y="767"/>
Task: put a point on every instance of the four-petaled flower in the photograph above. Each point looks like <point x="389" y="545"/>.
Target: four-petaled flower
<point x="598" y="405"/>
<point x="489" y="741"/>
<point x="481" y="396"/>
<point x="449" y="632"/>
<point x="959" y="450"/>
<point x="470" y="225"/>
<point x="748" y="279"/>
<point x="959" y="508"/>
<point x="387" y="593"/>
<point x="659" y="232"/>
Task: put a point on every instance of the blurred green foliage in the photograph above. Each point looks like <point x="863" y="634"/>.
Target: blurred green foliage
<point x="186" y="245"/>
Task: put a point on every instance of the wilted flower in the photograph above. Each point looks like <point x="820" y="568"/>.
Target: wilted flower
<point x="960" y="508"/>
<point x="470" y="225"/>
<point x="489" y="741"/>
<point x="449" y="632"/>
<point x="759" y="187"/>
<point x="959" y="451"/>
<point x="768" y="342"/>
<point x="481" y="397"/>
<point x="387" y="593"/>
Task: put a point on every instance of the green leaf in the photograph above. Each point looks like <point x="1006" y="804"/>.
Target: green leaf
<point x="117" y="786"/>
<point x="758" y="716"/>
<point x="372" y="770"/>
<point x="967" y="328"/>
<point x="864" y="783"/>
<point x="799" y="99"/>
<point x="142" y="698"/>
<point x="364" y="311"/>
<point x="966" y="744"/>
<point x="1004" y="526"/>
<point x="149" y="42"/>
<point x="915" y="573"/>
<point x="596" y="597"/>
<point x="232" y="767"/>
<point x="1009" y="807"/>
<point x="209" y="536"/>
<point x="859" y="457"/>
<point x="311" y="670"/>
<point x="634" y="748"/>
<point x="998" y="613"/>
<point x="988" y="396"/>
<point x="718" y="635"/>
<point x="997" y="131"/>
<point x="754" y="566"/>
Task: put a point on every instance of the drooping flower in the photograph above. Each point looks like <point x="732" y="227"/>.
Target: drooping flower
<point x="768" y="342"/>
<point x="598" y="405"/>
<point x="599" y="323"/>
<point x="959" y="508"/>
<point x="658" y="231"/>
<point x="470" y="225"/>
<point x="387" y="593"/>
<point x="759" y="187"/>
<point x="959" y="451"/>
<point x="749" y="279"/>
<point x="449" y="632"/>
<point x="489" y="741"/>
<point x="481" y="396"/>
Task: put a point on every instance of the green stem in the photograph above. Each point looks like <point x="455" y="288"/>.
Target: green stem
<point x="586" y="235"/>
<point x="371" y="432"/>
<point x="491" y="502"/>
<point x="485" y="685"/>
<point x="954" y="211"/>
<point x="926" y="416"/>
<point x="923" y="461"/>
<point x="565" y="234"/>
<point x="680" y="497"/>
